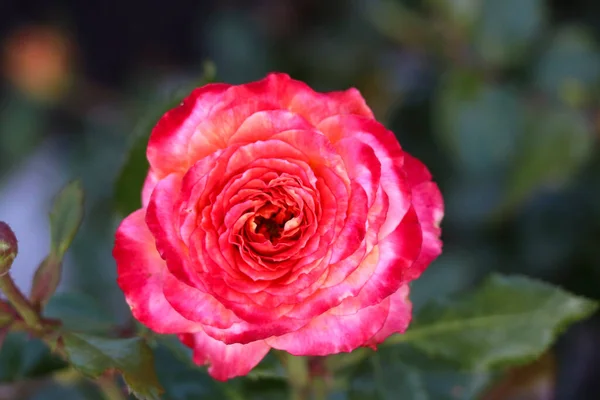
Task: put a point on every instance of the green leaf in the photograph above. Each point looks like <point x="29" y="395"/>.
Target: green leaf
<point x="556" y="145"/>
<point x="66" y="217"/>
<point x="79" y="312"/>
<point x="400" y="372"/>
<point x="399" y="380"/>
<point x="132" y="357"/>
<point x="506" y="320"/>
<point x="128" y="186"/>
<point x="22" y="357"/>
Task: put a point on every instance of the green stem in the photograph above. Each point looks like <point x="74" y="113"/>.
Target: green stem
<point x="319" y="388"/>
<point x="320" y="377"/>
<point x="298" y="377"/>
<point x="20" y="302"/>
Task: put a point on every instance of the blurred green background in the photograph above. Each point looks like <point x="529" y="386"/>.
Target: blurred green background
<point x="500" y="98"/>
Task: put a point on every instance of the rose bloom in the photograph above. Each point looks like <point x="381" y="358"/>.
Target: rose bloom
<point x="274" y="216"/>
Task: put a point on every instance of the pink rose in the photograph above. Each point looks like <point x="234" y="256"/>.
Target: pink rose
<point x="276" y="217"/>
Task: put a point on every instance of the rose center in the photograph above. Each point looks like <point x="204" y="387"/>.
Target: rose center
<point x="269" y="228"/>
<point x="270" y="222"/>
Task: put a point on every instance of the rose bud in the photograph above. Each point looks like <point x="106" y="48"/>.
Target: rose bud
<point x="8" y="248"/>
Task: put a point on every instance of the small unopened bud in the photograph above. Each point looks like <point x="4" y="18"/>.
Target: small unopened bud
<point x="8" y="248"/>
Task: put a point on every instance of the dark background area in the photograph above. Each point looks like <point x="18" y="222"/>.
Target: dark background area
<point x="500" y="98"/>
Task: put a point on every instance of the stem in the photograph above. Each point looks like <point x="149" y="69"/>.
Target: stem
<point x="320" y="378"/>
<point x="20" y="302"/>
<point x="298" y="376"/>
<point x="320" y="388"/>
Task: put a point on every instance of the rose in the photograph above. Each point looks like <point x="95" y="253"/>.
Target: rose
<point x="276" y="217"/>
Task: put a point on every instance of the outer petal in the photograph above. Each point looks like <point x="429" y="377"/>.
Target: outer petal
<point x="160" y="219"/>
<point x="427" y="201"/>
<point x="244" y="332"/>
<point x="141" y="270"/>
<point x="205" y="120"/>
<point x="362" y="165"/>
<point x="225" y="361"/>
<point x="331" y="333"/>
<point x="416" y="171"/>
<point x="399" y="316"/>
<point x="196" y="304"/>
<point x="396" y="265"/>
<point x="149" y="185"/>
<point x="316" y="107"/>
<point x="429" y="205"/>
<point x="353" y="232"/>
<point x="388" y="152"/>
<point x="380" y="274"/>
<point x="168" y="146"/>
<point x="296" y="96"/>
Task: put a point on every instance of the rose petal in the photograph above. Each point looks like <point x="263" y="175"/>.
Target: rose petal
<point x="168" y="148"/>
<point x="246" y="332"/>
<point x="224" y="361"/>
<point x="148" y="188"/>
<point x="140" y="276"/>
<point x="379" y="274"/>
<point x="416" y="171"/>
<point x="388" y="152"/>
<point x="398" y="253"/>
<point x="196" y="305"/>
<point x="296" y="96"/>
<point x="316" y="107"/>
<point x="210" y="115"/>
<point x="362" y="165"/>
<point x="330" y="333"/>
<point x="161" y="221"/>
<point x="399" y="316"/>
<point x="353" y="232"/>
<point x="429" y="205"/>
<point x="262" y="125"/>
